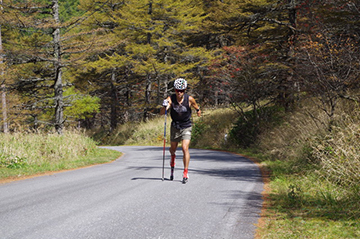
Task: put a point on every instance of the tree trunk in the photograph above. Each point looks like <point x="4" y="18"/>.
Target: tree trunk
<point x="216" y="98"/>
<point x="147" y="97"/>
<point x="148" y="90"/>
<point x="292" y="39"/>
<point x="58" y="86"/>
<point x="166" y="82"/>
<point x="114" y="102"/>
<point x="3" y="88"/>
<point x="287" y="86"/>
<point x="4" y="107"/>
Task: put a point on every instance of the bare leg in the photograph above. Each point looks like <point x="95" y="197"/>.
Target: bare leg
<point x="186" y="158"/>
<point x="173" y="147"/>
<point x="172" y="150"/>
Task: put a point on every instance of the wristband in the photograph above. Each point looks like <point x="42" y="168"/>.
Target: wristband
<point x="197" y="110"/>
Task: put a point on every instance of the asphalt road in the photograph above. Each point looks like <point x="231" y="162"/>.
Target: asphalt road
<point x="127" y="199"/>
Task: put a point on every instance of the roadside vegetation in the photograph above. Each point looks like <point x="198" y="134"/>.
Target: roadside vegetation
<point x="315" y="174"/>
<point x="313" y="186"/>
<point x="29" y="154"/>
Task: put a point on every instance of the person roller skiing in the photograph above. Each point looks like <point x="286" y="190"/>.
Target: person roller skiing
<point x="180" y="105"/>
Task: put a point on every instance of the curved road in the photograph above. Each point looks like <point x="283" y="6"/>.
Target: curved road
<point x="127" y="199"/>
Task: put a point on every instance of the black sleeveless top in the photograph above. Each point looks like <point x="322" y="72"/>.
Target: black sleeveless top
<point x="180" y="113"/>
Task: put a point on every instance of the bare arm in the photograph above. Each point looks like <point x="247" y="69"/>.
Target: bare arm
<point x="195" y="105"/>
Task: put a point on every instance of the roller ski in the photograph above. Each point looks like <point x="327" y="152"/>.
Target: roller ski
<point x="185" y="177"/>
<point x="184" y="180"/>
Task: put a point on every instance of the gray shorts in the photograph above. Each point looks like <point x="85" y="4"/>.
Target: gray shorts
<point x="176" y="135"/>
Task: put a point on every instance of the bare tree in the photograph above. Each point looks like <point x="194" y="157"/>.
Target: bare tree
<point x="330" y="69"/>
<point x="58" y="86"/>
<point x="3" y="87"/>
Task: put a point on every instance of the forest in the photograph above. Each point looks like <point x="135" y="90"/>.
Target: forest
<point x="100" y="64"/>
<point x="280" y="78"/>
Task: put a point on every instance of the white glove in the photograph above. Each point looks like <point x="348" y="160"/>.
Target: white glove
<point x="165" y="103"/>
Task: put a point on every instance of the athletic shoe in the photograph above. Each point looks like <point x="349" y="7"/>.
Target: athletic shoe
<point x="172" y="174"/>
<point x="185" y="180"/>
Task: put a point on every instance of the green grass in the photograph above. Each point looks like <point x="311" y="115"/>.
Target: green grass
<point x="302" y="205"/>
<point x="26" y="154"/>
<point x="305" y="227"/>
<point x="314" y="182"/>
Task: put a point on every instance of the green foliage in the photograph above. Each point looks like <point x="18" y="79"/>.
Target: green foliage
<point x="251" y="124"/>
<point x="82" y="106"/>
<point x="145" y="47"/>
<point x="245" y="132"/>
<point x="297" y="195"/>
<point x="69" y="9"/>
<point x="12" y="161"/>
<point x="39" y="57"/>
<point x="27" y="154"/>
<point x="198" y="130"/>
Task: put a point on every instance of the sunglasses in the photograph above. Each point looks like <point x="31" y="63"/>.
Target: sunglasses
<point x="180" y="91"/>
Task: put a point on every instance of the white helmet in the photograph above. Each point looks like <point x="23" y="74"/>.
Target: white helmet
<point x="180" y="84"/>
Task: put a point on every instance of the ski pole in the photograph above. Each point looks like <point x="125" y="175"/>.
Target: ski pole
<point x="163" y="167"/>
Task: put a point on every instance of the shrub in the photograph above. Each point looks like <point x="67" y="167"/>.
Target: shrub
<point x="19" y="149"/>
<point x="249" y="126"/>
<point x="198" y="130"/>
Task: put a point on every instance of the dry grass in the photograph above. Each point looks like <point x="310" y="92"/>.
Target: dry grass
<point x="212" y="129"/>
<point x="38" y="148"/>
<point x="306" y="136"/>
<point x="138" y="133"/>
<point x="287" y="140"/>
<point x="315" y="174"/>
<point x="338" y="152"/>
<point x="24" y="154"/>
<point x="208" y="131"/>
<point x="151" y="133"/>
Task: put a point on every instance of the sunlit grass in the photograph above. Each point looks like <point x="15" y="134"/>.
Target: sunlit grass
<point x="209" y="131"/>
<point x="24" y="154"/>
<point x="313" y="193"/>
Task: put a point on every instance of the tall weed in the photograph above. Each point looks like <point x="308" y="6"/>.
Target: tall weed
<point x="289" y="139"/>
<point x="209" y="131"/>
<point x="20" y="149"/>
<point x="315" y="173"/>
<point x="212" y="130"/>
<point x="139" y="133"/>
<point x="338" y="152"/>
